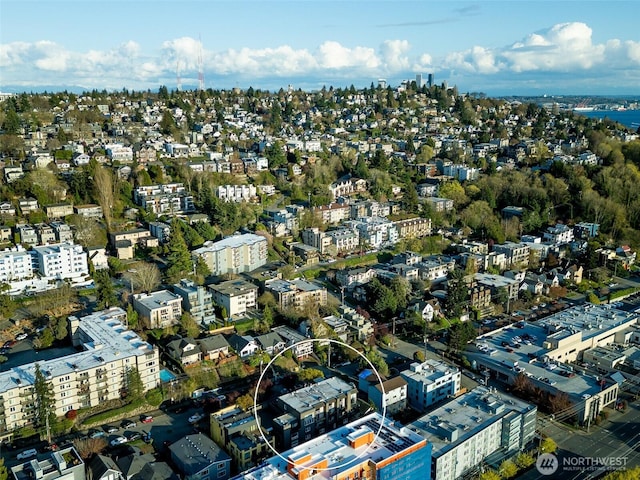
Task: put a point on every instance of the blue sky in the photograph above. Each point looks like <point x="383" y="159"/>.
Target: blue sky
<point x="498" y="47"/>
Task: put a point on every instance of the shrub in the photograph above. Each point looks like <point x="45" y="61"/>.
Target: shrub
<point x="71" y="414"/>
<point x="154" y="397"/>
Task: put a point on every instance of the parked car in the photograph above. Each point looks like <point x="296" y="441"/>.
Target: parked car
<point x="146" y="419"/>
<point x="128" y="424"/>
<point x="97" y="433"/>
<point x="131" y="436"/>
<point x="21" y="336"/>
<point x="118" y="441"/>
<point x="111" y="429"/>
<point x="196" y="417"/>
<point x="32" y="452"/>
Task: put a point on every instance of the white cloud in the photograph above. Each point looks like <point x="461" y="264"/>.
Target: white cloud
<point x="561" y="49"/>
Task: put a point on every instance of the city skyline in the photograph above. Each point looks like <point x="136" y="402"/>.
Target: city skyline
<point x="521" y="47"/>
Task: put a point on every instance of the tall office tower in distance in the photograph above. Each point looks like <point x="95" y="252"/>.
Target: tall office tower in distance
<point x="430" y="80"/>
<point x="419" y="81"/>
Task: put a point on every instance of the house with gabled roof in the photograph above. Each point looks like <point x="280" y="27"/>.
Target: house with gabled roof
<point x="185" y="350"/>
<point x="271" y="343"/>
<point x="244" y="345"/>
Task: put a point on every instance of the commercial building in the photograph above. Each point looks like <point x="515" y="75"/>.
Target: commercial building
<point x="236" y="296"/>
<point x="468" y="429"/>
<point x="197" y="457"/>
<point x="371" y="447"/>
<point x="84" y="379"/>
<point x="542" y="351"/>
<point x="312" y="411"/>
<point x="158" y="309"/>
<point x="296" y="294"/>
<point x="235" y="254"/>
<point x="430" y="382"/>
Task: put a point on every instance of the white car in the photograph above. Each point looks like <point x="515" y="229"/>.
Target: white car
<point x="21" y="336"/>
<point x="118" y="441"/>
<point x="32" y="452"/>
<point x="196" y="417"/>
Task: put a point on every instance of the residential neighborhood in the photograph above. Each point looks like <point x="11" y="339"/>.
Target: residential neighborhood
<point x="394" y="280"/>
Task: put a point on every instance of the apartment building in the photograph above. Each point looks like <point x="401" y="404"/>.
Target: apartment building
<point x="559" y="234"/>
<point x="45" y="234"/>
<point x="58" y="210"/>
<point x="236" y="296"/>
<point x="466" y="430"/>
<point x="438" y="204"/>
<point x="333" y="213"/>
<point x="197" y="457"/>
<point x="197" y="300"/>
<point x="27" y="234"/>
<point x="237" y="431"/>
<point x="374" y="232"/>
<point x="498" y="284"/>
<point x="436" y="269"/>
<point x="342" y="240"/>
<point x="61" y="261"/>
<point x="516" y="254"/>
<point x="88" y="211"/>
<point x="296" y="293"/>
<point x="391" y="396"/>
<point x="83" y="379"/>
<point x="158" y="309"/>
<point x="430" y="382"/>
<point x="62" y="231"/>
<point x="369" y="447"/>
<point x="167" y="199"/>
<point x="160" y="230"/>
<point x="15" y="265"/>
<point x="235" y="254"/>
<point x="312" y="411"/>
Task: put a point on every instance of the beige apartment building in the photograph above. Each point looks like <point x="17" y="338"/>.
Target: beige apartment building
<point x="84" y="379"/>
<point x="158" y="309"/>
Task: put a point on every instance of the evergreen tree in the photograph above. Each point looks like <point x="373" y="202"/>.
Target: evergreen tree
<point x="457" y="293"/>
<point x="44" y="400"/>
<point x="134" y="387"/>
<point x="179" y="258"/>
<point x="105" y="291"/>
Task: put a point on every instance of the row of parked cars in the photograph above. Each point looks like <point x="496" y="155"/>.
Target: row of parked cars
<point x="126" y="437"/>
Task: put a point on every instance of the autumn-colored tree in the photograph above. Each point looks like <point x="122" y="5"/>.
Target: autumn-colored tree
<point x="87" y="447"/>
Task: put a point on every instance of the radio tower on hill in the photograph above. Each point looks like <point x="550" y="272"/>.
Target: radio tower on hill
<point x="200" y="67"/>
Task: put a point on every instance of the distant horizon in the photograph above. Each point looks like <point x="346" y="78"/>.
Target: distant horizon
<point x="528" y="47"/>
<point x="77" y="90"/>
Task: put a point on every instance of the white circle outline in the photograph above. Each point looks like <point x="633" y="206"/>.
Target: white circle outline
<point x="255" y="403"/>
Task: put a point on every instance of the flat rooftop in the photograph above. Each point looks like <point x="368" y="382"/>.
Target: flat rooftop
<point x="335" y="448"/>
<point x="305" y="398"/>
<point x="157" y="299"/>
<point x="465" y="416"/>
<point x="109" y="340"/>
<point x="232" y="288"/>
<point x="234" y="241"/>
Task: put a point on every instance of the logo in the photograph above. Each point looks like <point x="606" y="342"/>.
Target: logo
<point x="547" y="464"/>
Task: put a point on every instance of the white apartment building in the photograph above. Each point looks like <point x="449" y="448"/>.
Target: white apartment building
<point x="559" y="234"/>
<point x="390" y="396"/>
<point x="15" y="265"/>
<point x="84" y="379"/>
<point x="236" y="296"/>
<point x="119" y="153"/>
<point x="235" y="254"/>
<point x="430" y="382"/>
<point x="158" y="309"/>
<point x="466" y="430"/>
<point x="375" y="232"/>
<point x="170" y="198"/>
<point x="236" y="193"/>
<point x="61" y="261"/>
<point x="343" y="240"/>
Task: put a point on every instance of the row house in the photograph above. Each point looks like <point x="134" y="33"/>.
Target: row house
<point x="236" y="193"/>
<point x="347" y="185"/>
<point x="413" y="227"/>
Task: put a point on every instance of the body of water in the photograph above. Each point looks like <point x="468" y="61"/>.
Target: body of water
<point x="629" y="118"/>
